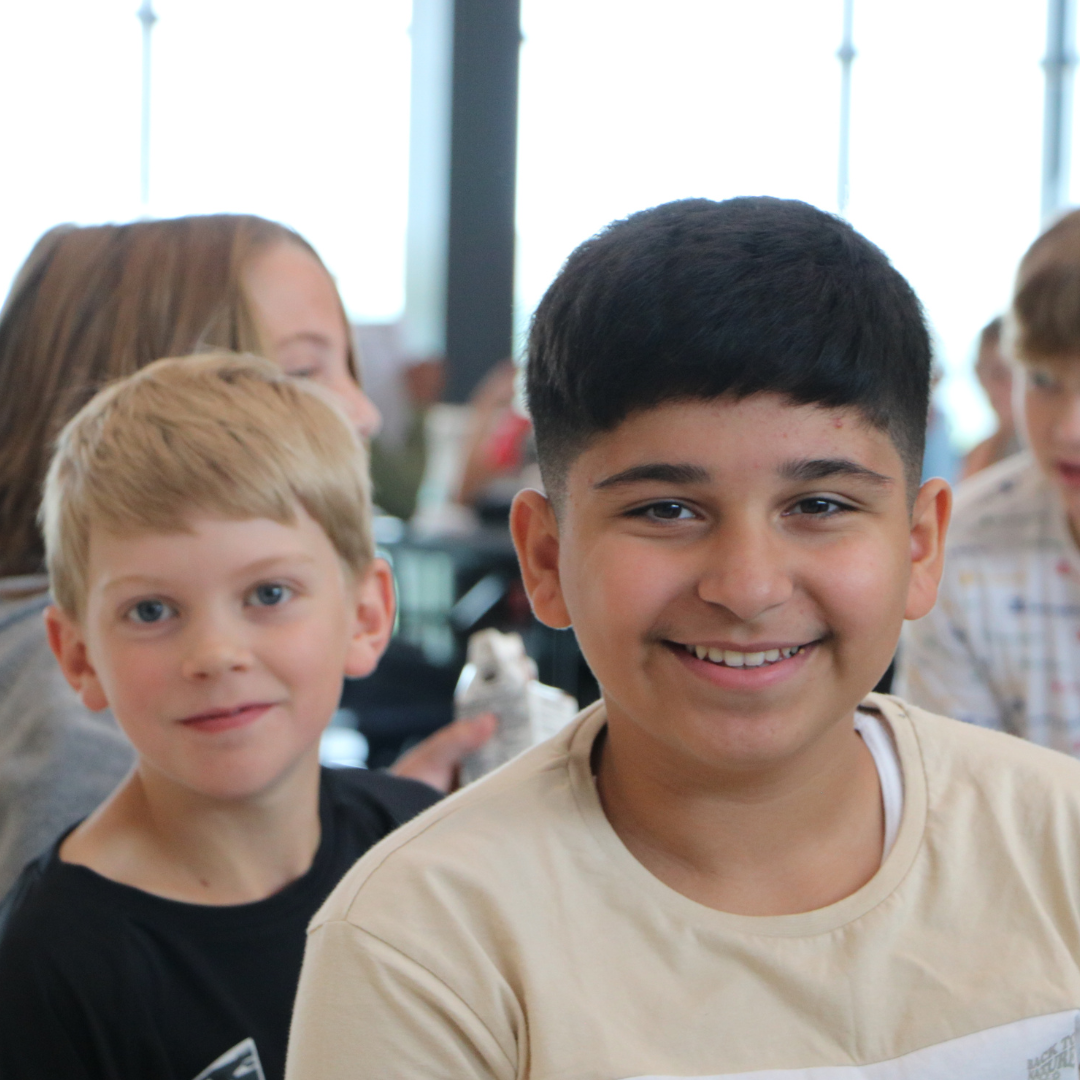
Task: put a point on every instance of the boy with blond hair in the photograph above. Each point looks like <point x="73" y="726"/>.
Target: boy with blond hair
<point x="740" y="862"/>
<point x="207" y="526"/>
<point x="1001" y="648"/>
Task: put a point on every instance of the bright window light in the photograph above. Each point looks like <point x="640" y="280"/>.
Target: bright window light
<point x="298" y="112"/>
<point x="625" y="104"/>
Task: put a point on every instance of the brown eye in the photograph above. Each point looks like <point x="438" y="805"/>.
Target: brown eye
<point x="667" y="511"/>
<point x="817" y="506"/>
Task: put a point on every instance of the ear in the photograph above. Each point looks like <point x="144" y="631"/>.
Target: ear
<point x="374" y="606"/>
<point x="929" y="523"/>
<point x="69" y="647"/>
<point x="536" y="538"/>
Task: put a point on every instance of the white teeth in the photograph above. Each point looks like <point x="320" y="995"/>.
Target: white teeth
<point x="731" y="658"/>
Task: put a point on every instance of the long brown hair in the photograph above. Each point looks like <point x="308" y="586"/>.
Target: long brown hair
<point x="92" y="304"/>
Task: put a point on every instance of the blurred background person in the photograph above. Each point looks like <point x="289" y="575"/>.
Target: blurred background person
<point x="403" y="387"/>
<point x="499" y="454"/>
<point x="995" y="375"/>
<point x="89" y="305"/>
<point x="1002" y="646"/>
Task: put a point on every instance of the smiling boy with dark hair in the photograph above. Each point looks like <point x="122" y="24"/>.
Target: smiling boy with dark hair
<point x="739" y="862"/>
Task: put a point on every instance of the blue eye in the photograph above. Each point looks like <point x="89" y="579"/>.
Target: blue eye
<point x="270" y="594"/>
<point x="150" y="611"/>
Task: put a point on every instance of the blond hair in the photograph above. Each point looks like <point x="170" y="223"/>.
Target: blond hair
<point x="1045" y="318"/>
<point x="219" y="433"/>
<point x="95" y="303"/>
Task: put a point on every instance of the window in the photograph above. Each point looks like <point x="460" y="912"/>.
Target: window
<point x="296" y="112"/>
<point x="625" y="104"/>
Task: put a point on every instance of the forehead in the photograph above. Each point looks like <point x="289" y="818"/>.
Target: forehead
<point x="1061" y="364"/>
<point x="293" y="294"/>
<point x="202" y="545"/>
<point x="733" y="438"/>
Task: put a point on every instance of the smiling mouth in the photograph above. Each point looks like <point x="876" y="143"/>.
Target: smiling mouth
<point x="734" y="659"/>
<point x="226" y="717"/>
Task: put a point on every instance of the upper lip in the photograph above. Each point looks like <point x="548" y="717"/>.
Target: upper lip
<point x="754" y="647"/>
<point x="228" y="710"/>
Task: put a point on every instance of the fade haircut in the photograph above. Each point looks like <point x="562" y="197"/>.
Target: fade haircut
<point x="1045" y="316"/>
<point x="220" y="433"/>
<point x="696" y="299"/>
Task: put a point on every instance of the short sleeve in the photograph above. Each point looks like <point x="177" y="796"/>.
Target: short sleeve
<point x="366" y="1010"/>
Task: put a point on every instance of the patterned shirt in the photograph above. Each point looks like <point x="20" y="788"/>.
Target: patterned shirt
<point x="1002" y="646"/>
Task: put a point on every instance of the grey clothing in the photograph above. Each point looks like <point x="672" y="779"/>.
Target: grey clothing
<point x="58" y="760"/>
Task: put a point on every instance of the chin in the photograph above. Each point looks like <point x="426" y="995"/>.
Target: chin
<point x="744" y="740"/>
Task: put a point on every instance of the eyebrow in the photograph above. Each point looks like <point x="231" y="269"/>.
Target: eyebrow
<point x="802" y="470"/>
<point x="259" y="566"/>
<point x="660" y="471"/>
<point x="824" y="468"/>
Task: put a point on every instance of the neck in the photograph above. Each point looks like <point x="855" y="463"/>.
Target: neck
<point x="781" y="839"/>
<point x="166" y="839"/>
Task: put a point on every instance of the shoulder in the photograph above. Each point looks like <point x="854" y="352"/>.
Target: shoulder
<point x="484" y="838"/>
<point x="55" y="922"/>
<point x="1008" y="777"/>
<point x="358" y="790"/>
<point x="1005" y="505"/>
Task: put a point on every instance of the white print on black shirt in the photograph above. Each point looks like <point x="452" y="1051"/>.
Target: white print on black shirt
<point x="239" y="1063"/>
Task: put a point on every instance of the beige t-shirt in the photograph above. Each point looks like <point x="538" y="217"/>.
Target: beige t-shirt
<point x="508" y="933"/>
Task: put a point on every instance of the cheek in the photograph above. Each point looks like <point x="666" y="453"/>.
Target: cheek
<point x="1039" y="419"/>
<point x="133" y="671"/>
<point x="863" y="588"/>
<point x="616" y="592"/>
<point x="311" y="656"/>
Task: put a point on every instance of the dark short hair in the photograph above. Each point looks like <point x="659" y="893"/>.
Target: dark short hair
<point x="696" y="299"/>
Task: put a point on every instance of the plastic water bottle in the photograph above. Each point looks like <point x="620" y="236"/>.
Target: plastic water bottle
<point x="500" y="678"/>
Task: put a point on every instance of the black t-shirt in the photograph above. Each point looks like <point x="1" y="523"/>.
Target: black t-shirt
<point x="101" y="980"/>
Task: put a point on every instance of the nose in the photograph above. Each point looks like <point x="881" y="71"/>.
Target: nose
<point x="212" y="649"/>
<point x="360" y="409"/>
<point x="745" y="571"/>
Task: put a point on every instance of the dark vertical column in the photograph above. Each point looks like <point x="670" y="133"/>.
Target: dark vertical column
<point x="483" y="152"/>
